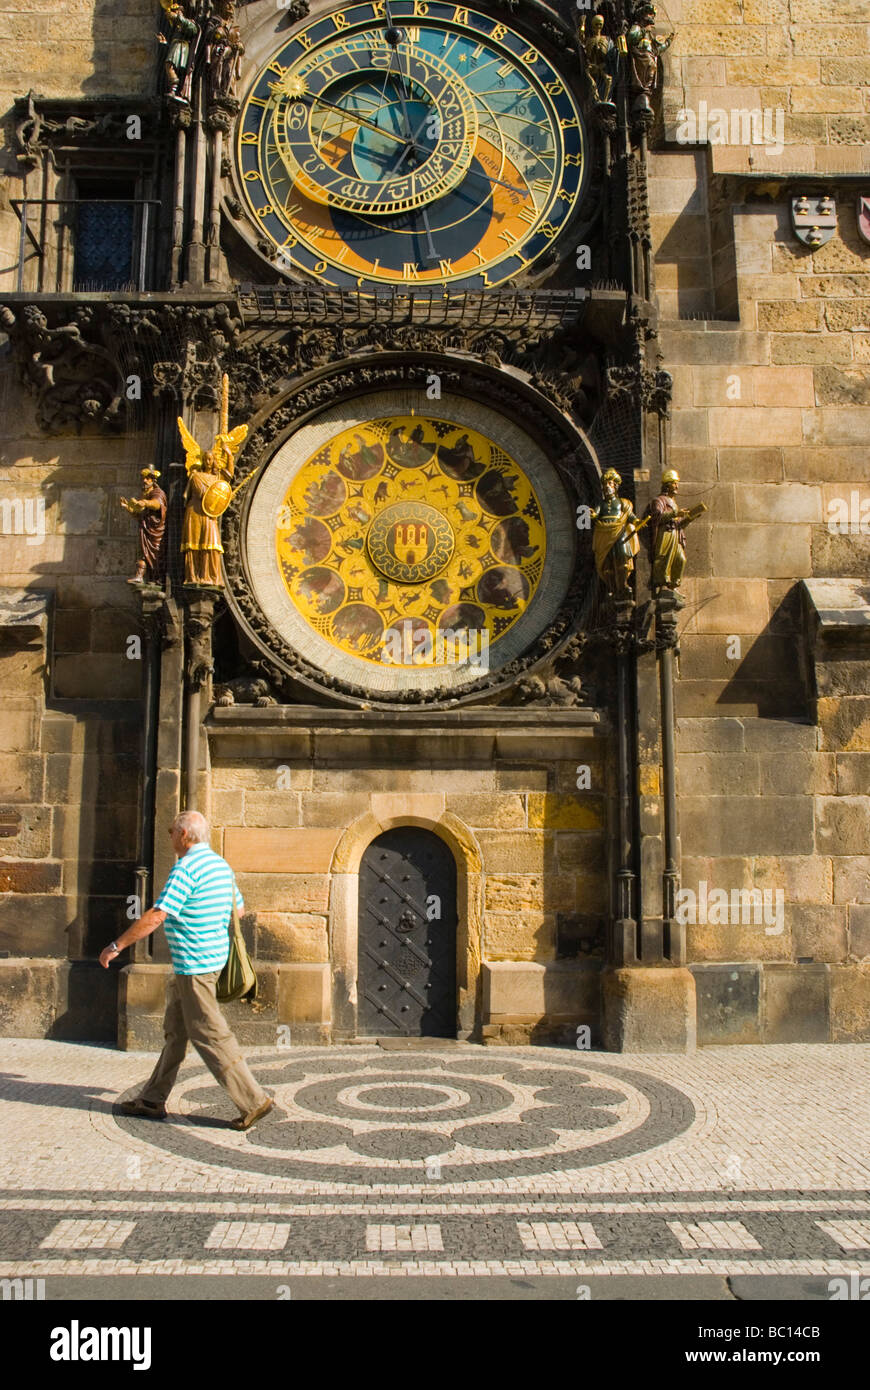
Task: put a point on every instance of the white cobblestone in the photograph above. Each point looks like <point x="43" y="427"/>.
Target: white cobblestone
<point x="400" y="1238"/>
<point x="247" y="1235"/>
<point x="849" y="1235"/>
<point x="88" y="1235"/>
<point x="714" y="1235"/>
<point x="779" y="1132"/>
<point x="558" y="1235"/>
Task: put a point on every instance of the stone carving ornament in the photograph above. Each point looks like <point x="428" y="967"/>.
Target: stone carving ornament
<point x="75" y="381"/>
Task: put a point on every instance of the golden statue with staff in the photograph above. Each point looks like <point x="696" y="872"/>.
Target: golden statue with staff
<point x="614" y="538"/>
<point x="207" y="496"/>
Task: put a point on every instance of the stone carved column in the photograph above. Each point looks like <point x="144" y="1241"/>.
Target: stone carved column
<point x="668" y="604"/>
<point x="198" y="675"/>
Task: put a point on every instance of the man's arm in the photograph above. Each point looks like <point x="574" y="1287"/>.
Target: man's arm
<point x="146" y="924"/>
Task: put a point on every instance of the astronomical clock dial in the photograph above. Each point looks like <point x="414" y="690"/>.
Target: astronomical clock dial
<point x="454" y="155"/>
<point x="405" y="551"/>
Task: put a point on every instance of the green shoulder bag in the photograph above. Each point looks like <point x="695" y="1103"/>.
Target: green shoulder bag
<point x="238" y="979"/>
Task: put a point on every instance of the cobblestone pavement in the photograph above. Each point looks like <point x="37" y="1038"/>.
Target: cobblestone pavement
<point x="443" y="1162"/>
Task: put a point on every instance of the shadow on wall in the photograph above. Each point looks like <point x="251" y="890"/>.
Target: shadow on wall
<point x="85" y="694"/>
<point x="774" y="673"/>
<point x="126" y="56"/>
<point x="681" y="234"/>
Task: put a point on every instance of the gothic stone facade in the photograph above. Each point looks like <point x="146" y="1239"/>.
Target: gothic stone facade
<point x="613" y="757"/>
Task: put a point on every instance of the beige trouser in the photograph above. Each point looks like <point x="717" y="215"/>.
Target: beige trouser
<point x="193" y="1015"/>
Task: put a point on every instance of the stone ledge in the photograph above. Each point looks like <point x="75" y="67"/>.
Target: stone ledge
<point x="531" y="992"/>
<point x="24" y="614"/>
<point x="398" y="736"/>
<point x="649" y="1009"/>
<point x="72" y="1001"/>
<point x="838" y="607"/>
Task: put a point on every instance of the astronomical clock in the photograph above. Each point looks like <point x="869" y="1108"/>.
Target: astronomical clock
<point x="437" y="147"/>
<point x="401" y="174"/>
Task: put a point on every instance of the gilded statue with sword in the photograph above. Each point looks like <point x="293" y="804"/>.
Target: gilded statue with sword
<point x="207" y="496"/>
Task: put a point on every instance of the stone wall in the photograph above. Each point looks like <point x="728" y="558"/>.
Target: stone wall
<point x="534" y="845"/>
<point x="767" y="340"/>
<point x="813" y="62"/>
<point x="79" y="48"/>
<point x="83" y="47"/>
<point x="70" y="734"/>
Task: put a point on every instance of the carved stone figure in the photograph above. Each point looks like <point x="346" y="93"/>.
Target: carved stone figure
<point x="27" y="132"/>
<point x="207" y="496"/>
<point x="224" y="51"/>
<point x="183" y="33"/>
<point x="567" y="694"/>
<point x="614" y="538"/>
<point x="75" y="381"/>
<point x="644" y="51"/>
<point x="666" y="538"/>
<point x="600" y="59"/>
<point x="245" y="690"/>
<point x="151" y="511"/>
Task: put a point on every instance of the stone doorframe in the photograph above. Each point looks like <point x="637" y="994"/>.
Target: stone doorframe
<point x="389" y="811"/>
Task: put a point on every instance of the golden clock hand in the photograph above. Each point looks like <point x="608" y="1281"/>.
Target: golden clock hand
<point x="414" y="146"/>
<point x="501" y="183"/>
<point x="360" y="120"/>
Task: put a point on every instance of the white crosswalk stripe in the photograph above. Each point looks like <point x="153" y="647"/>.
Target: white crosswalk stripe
<point x="713" y="1235"/>
<point x="247" y="1235"/>
<point x="87" y="1235"/>
<point x="558" y="1235"/>
<point x="403" y="1238"/>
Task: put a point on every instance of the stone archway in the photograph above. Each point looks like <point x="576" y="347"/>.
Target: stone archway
<point x="388" y="813"/>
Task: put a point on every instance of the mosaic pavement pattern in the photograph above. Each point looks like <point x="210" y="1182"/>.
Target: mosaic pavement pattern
<point x="441" y="1161"/>
<point x="378" y="1119"/>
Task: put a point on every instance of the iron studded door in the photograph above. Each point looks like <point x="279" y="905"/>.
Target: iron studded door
<point x="407" y="936"/>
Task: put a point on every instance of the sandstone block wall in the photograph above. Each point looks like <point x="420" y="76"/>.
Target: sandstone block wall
<point x="767" y="341"/>
<point x="532" y="863"/>
<point x="810" y="61"/>
<point x="70" y="735"/>
<point x="78" y="48"/>
<point x="542" y="846"/>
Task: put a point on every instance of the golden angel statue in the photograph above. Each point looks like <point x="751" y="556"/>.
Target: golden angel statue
<point x="207" y="496"/>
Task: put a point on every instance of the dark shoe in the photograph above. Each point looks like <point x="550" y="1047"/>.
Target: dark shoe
<point x="245" y="1121"/>
<point x="144" y="1109"/>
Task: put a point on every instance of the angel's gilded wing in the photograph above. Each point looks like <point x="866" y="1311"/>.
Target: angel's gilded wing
<point x="236" y="438"/>
<point x="192" y="449"/>
<point x="228" y="445"/>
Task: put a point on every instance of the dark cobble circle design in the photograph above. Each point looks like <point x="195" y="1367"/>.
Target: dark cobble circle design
<point x="375" y="1120"/>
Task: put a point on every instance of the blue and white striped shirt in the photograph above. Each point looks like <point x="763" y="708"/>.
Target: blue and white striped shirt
<point x="197" y="900"/>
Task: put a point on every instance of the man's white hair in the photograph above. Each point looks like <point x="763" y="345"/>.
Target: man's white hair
<point x="194" y="825"/>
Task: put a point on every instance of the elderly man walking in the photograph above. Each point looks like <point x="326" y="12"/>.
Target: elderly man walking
<point x="195" y="907"/>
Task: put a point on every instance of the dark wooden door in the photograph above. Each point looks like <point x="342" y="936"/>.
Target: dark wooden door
<point x="407" y="936"/>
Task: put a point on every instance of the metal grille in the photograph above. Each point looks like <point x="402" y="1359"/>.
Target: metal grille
<point x="103" y="246"/>
<point x="494" y="309"/>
